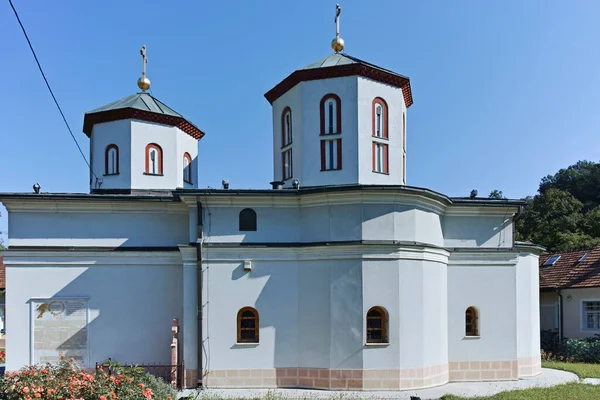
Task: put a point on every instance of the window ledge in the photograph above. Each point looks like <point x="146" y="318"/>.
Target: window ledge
<point x="471" y="337"/>
<point x="387" y="139"/>
<point x="246" y="344"/>
<point x="286" y="145"/>
<point x="324" y="135"/>
<point x="111" y="174"/>
<point x="377" y="344"/>
<point x="382" y="173"/>
<point x="329" y="170"/>
<point x="147" y="173"/>
<point x="188" y="182"/>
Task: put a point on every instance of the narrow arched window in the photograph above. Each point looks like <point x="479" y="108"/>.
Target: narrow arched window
<point x="471" y="322"/>
<point x="247" y="220"/>
<point x="377" y="325"/>
<point x="111" y="160"/>
<point x="187" y="168"/>
<point x="380" y="118"/>
<point x="286" y="127"/>
<point x="154" y="159"/>
<point x="247" y="325"/>
<point x="331" y="114"/>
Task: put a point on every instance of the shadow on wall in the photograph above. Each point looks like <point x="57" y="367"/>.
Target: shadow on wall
<point x="130" y="311"/>
<point x="314" y="311"/>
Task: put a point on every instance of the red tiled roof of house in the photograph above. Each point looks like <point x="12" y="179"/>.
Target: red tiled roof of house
<point x="2" y="274"/>
<point x="568" y="272"/>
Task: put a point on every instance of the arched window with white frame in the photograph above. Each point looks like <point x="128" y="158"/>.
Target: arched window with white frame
<point x="154" y="159"/>
<point x="187" y="168"/>
<point x="331" y="114"/>
<point x="111" y="160"/>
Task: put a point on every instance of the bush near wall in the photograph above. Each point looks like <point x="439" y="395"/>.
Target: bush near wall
<point x="68" y="381"/>
<point x="585" y="350"/>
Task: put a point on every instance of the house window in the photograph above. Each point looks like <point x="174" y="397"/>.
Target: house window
<point x="247" y="325"/>
<point x="154" y="159"/>
<point x="377" y="321"/>
<point x="380" y="118"/>
<point x="187" y="168"/>
<point x="331" y="154"/>
<point x="286" y="127"/>
<point x="380" y="158"/>
<point x="471" y="322"/>
<point x="247" y="220"/>
<point x="331" y="114"/>
<point x="286" y="162"/>
<point x="591" y="315"/>
<point x="111" y="160"/>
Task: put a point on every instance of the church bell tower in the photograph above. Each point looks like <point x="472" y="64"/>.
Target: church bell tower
<point x="340" y="121"/>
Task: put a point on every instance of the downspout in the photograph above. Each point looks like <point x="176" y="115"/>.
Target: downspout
<point x="560" y="315"/>
<point x="200" y="304"/>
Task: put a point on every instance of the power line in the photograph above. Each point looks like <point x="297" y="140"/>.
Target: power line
<point x="50" y="89"/>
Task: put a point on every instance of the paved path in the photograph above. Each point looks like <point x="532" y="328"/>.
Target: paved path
<point x="548" y="377"/>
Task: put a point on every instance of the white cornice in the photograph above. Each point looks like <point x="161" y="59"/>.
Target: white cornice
<point x="483" y="258"/>
<point x="370" y="252"/>
<point x="18" y="258"/>
<point x="102" y="207"/>
<point x="479" y="211"/>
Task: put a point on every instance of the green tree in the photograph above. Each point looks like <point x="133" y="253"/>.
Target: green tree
<point x="565" y="214"/>
<point x="496" y="194"/>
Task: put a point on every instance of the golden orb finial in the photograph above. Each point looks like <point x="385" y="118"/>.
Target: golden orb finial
<point x="143" y="83"/>
<point x="337" y="44"/>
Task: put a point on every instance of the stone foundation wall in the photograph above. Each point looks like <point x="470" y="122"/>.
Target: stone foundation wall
<point x="474" y="371"/>
<point x="530" y="366"/>
<point x="316" y="378"/>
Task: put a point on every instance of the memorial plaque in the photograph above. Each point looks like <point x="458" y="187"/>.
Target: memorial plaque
<point x="60" y="327"/>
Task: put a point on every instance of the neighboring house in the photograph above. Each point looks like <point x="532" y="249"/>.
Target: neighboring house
<point x="570" y="293"/>
<point x="345" y="278"/>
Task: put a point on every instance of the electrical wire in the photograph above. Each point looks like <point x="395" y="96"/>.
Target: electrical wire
<point x="50" y="89"/>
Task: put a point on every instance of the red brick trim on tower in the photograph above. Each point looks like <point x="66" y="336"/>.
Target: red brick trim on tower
<point x="338" y="111"/>
<point x="131" y="113"/>
<point x="339" y="71"/>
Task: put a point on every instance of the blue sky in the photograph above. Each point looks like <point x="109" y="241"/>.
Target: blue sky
<point x="505" y="92"/>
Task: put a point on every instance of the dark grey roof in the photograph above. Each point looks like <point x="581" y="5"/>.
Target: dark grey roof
<point x="139" y="101"/>
<point x="339" y="59"/>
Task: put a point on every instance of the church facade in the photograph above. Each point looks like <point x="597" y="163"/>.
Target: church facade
<point x="340" y="276"/>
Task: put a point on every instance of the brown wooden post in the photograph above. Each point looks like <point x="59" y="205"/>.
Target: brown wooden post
<point x="175" y="354"/>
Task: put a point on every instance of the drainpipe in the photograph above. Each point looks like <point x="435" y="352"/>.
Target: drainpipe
<point x="199" y="261"/>
<point x="560" y="315"/>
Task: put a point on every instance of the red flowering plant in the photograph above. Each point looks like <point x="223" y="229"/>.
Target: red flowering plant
<point x="68" y="381"/>
<point x="2" y="356"/>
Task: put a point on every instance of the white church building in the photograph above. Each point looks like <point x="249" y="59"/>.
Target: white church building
<point x="338" y="277"/>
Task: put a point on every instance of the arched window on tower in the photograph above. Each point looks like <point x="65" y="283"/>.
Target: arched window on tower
<point x="380" y="118"/>
<point x="377" y="325"/>
<point x="331" y="124"/>
<point x="471" y="322"/>
<point x="247" y="220"/>
<point x="286" y="127"/>
<point x="187" y="168"/>
<point x="154" y="159"/>
<point x="247" y="325"/>
<point x="111" y="160"/>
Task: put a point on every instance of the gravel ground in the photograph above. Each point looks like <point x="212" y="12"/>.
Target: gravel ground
<point x="548" y="377"/>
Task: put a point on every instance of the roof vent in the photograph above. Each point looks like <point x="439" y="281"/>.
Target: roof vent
<point x="277" y="185"/>
<point x="551" y="261"/>
<point x="225" y="184"/>
<point x="583" y="257"/>
<point x="36" y="188"/>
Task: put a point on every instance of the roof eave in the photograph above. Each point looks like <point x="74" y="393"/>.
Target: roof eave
<point x="339" y="71"/>
<point x="93" y="118"/>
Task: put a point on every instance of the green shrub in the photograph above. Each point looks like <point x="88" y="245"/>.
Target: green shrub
<point x="67" y="381"/>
